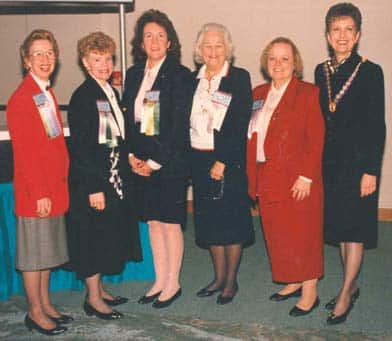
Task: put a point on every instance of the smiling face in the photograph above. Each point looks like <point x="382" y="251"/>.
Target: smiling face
<point x="280" y="63"/>
<point x="99" y="65"/>
<point x="41" y="59"/>
<point x="213" y="50"/>
<point x="155" y="43"/>
<point x="342" y="36"/>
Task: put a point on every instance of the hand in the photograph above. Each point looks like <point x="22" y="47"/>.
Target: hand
<point x="144" y="170"/>
<point x="134" y="162"/>
<point x="301" y="189"/>
<point x="217" y="170"/>
<point x="368" y="184"/>
<point x="44" y="206"/>
<point x="97" y="201"/>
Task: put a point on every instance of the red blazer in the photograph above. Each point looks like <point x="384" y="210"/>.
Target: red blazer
<point x="293" y="145"/>
<point x="40" y="163"/>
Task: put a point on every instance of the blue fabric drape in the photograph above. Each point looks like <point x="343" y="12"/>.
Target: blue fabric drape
<point x="10" y="279"/>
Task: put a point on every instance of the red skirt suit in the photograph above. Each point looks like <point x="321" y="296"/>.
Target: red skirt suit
<point x="293" y="147"/>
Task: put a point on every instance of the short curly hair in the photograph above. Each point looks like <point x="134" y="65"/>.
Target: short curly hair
<point x="213" y="27"/>
<point x="298" y="64"/>
<point x="96" y="42"/>
<point x="161" y="19"/>
<point x="39" y="34"/>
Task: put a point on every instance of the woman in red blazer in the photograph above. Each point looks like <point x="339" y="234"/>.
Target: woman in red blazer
<point x="40" y="180"/>
<point x="284" y="168"/>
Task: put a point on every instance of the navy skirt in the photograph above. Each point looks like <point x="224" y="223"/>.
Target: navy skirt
<point x="221" y="208"/>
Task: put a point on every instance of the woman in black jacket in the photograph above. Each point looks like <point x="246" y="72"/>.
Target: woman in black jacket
<point x="220" y="115"/>
<point x="102" y="228"/>
<point x="352" y="100"/>
<point x="156" y="100"/>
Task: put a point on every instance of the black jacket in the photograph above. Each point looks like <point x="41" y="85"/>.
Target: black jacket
<point x="169" y="148"/>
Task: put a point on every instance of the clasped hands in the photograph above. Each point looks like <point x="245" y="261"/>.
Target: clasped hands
<point x="217" y="170"/>
<point x="139" y="167"/>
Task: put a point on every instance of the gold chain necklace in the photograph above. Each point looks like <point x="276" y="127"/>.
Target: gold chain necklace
<point x="332" y="103"/>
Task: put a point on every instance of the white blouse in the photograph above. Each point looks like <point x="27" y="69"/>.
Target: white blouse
<point x="202" y="136"/>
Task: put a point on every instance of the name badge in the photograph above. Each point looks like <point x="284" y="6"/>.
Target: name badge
<point x="103" y="106"/>
<point x="222" y="98"/>
<point x="48" y="115"/>
<point x="107" y="130"/>
<point x="150" y="114"/>
<point x="257" y="104"/>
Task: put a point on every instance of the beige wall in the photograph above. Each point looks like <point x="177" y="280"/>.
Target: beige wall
<point x="253" y="24"/>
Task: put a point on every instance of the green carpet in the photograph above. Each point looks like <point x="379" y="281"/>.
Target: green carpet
<point x="251" y="316"/>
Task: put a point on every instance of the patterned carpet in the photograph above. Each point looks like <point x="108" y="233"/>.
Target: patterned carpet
<point x="146" y="327"/>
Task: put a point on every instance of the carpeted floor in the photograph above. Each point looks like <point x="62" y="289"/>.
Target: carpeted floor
<point x="251" y="316"/>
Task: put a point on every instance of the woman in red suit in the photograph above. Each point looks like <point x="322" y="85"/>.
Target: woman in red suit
<point x="40" y="180"/>
<point x="285" y="145"/>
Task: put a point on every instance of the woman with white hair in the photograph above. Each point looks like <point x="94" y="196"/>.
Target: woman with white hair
<point x="220" y="114"/>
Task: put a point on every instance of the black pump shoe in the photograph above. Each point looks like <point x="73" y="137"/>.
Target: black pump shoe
<point x="295" y="311"/>
<point x="115" y="301"/>
<point x="148" y="299"/>
<point x="166" y="303"/>
<point x="221" y="300"/>
<point x="331" y="304"/>
<point x="62" y="319"/>
<point x="207" y="293"/>
<point x="336" y="319"/>
<point x="90" y="310"/>
<point x="278" y="297"/>
<point x="32" y="325"/>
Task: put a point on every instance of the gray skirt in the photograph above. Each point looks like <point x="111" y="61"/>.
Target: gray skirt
<point x="41" y="243"/>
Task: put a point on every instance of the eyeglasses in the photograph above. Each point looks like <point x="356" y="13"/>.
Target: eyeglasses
<point x="50" y="54"/>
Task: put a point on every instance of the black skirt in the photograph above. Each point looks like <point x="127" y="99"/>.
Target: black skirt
<point x="221" y="208"/>
<point x="162" y="199"/>
<point x="101" y="241"/>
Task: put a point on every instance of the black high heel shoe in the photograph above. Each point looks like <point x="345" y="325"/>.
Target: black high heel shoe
<point x="331" y="304"/>
<point x="207" y="293"/>
<point x="148" y="299"/>
<point x="221" y="300"/>
<point x="90" y="310"/>
<point x="279" y="297"/>
<point x="62" y="319"/>
<point x="115" y="301"/>
<point x="32" y="325"/>
<point x="296" y="311"/>
<point x="166" y="303"/>
<point x="336" y="319"/>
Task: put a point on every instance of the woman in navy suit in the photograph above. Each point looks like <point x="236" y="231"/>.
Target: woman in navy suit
<point x="352" y="101"/>
<point x="102" y="229"/>
<point x="220" y="114"/>
<point x="156" y="100"/>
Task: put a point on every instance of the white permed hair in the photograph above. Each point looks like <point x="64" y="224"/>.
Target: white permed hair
<point x="213" y="27"/>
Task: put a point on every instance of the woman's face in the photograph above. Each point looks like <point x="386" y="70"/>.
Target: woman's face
<point x="41" y="60"/>
<point x="342" y="36"/>
<point x="213" y="50"/>
<point x="280" y="63"/>
<point x="155" y="42"/>
<point x="99" y="65"/>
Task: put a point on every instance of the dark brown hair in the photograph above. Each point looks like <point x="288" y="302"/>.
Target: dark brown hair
<point x="160" y="18"/>
<point x="343" y="9"/>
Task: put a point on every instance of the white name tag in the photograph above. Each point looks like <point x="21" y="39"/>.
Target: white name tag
<point x="222" y="98"/>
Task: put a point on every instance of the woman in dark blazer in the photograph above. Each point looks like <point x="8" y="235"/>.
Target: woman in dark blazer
<point x="156" y="100"/>
<point x="352" y="100"/>
<point x="220" y="114"/>
<point x="286" y="137"/>
<point x="40" y="180"/>
<point x="102" y="228"/>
